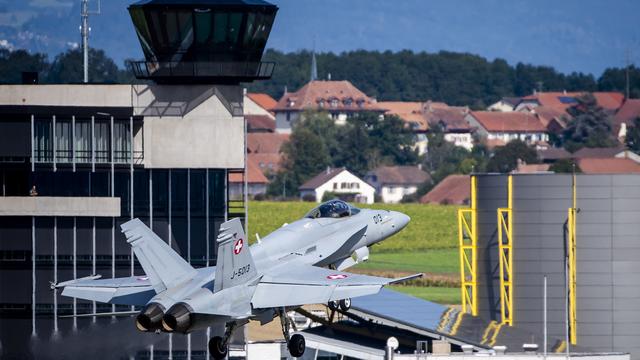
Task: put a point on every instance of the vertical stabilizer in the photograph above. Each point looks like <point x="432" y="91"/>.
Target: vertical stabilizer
<point x="235" y="264"/>
<point x="164" y="267"/>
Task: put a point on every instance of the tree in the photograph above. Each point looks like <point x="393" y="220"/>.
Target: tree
<point x="632" y="140"/>
<point x="13" y="63"/>
<point x="566" y="166"/>
<point x="68" y="68"/>
<point x="505" y="158"/>
<point x="590" y="126"/>
<point x="305" y="155"/>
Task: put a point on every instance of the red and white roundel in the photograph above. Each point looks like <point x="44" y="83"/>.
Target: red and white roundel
<point x="336" y="276"/>
<point x="237" y="248"/>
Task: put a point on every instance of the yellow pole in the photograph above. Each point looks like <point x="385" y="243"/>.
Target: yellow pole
<point x="474" y="244"/>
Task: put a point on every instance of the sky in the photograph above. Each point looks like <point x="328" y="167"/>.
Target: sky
<point x="570" y="35"/>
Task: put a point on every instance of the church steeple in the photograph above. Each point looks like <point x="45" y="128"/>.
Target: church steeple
<point x="314" y="66"/>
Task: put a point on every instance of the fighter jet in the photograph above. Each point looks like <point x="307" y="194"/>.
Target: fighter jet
<point x="300" y="263"/>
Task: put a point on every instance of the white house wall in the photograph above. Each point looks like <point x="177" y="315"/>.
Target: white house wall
<point x="363" y="188"/>
<point x="393" y="194"/>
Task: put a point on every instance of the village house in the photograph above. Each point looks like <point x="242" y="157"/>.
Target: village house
<point x="257" y="112"/>
<point x="507" y="126"/>
<point x="339" y="182"/>
<point x="626" y="115"/>
<point x="561" y="101"/>
<point x="412" y="113"/>
<point x="452" y="120"/>
<point x="339" y="99"/>
<point x="393" y="183"/>
<point x="453" y="190"/>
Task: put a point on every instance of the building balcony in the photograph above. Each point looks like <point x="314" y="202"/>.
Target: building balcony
<point x="202" y="72"/>
<point x="59" y="206"/>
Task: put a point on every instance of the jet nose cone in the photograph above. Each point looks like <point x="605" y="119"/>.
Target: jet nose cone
<point x="400" y="220"/>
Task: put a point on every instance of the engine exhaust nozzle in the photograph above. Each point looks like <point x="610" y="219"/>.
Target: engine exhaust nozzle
<point x="150" y="318"/>
<point x="177" y="319"/>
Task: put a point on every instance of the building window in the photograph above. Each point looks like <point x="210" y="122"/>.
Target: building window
<point x="334" y="103"/>
<point x="82" y="143"/>
<point x="121" y="142"/>
<point x="335" y="186"/>
<point x="288" y="117"/>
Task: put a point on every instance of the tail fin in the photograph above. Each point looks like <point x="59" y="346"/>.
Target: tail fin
<point x="235" y="264"/>
<point x="164" y="267"/>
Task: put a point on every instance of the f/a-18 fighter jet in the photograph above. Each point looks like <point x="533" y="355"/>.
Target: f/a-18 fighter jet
<point x="300" y="263"/>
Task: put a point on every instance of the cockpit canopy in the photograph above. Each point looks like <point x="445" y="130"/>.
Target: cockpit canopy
<point x="332" y="209"/>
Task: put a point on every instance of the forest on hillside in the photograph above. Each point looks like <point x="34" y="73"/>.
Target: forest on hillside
<point x="454" y="78"/>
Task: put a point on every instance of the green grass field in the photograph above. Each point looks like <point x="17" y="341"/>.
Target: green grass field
<point x="437" y="261"/>
<point x="442" y="295"/>
<point x="431" y="226"/>
<point x="428" y="244"/>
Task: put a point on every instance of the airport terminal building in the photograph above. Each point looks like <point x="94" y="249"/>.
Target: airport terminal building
<point x="76" y="161"/>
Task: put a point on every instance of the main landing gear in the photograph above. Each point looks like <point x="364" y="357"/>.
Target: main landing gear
<point x="343" y="305"/>
<point x="295" y="343"/>
<point x="219" y="345"/>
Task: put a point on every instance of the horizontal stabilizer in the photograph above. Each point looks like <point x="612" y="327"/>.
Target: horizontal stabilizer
<point x="134" y="290"/>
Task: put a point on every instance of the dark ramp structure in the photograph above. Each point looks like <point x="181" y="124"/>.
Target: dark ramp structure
<point x="363" y="331"/>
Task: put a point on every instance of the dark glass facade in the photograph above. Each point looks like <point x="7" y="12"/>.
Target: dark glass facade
<point x="185" y="207"/>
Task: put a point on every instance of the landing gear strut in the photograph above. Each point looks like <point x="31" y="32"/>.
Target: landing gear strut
<point x="295" y="343"/>
<point x="219" y="345"/>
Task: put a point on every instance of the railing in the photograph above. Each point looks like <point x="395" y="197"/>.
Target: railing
<point x="572" y="276"/>
<point x="240" y="71"/>
<point x="86" y="156"/>
<point x="505" y="247"/>
<point x="468" y="242"/>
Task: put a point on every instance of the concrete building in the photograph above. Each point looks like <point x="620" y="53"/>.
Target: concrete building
<point x="339" y="182"/>
<point x="76" y="161"/>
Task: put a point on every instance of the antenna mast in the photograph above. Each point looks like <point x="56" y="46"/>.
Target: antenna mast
<point x="84" y="31"/>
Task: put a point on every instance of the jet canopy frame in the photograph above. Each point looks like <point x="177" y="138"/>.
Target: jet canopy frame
<point x="332" y="209"/>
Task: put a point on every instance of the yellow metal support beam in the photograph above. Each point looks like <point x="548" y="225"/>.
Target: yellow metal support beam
<point x="505" y="247"/>
<point x="571" y="225"/>
<point x="468" y="242"/>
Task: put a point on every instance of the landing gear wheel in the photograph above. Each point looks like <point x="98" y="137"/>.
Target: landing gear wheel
<point x="297" y="345"/>
<point x="345" y="304"/>
<point x="217" y="348"/>
<point x="334" y="305"/>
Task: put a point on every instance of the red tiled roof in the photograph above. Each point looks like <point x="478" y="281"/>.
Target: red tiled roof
<point x="265" y="142"/>
<point x="553" y="154"/>
<point x="260" y="123"/>
<point x="453" y="118"/>
<point x="267" y="162"/>
<point x="494" y="121"/>
<point x="547" y="114"/>
<point x="454" y="189"/>
<point x="254" y="174"/>
<point x="400" y="175"/>
<point x="318" y="92"/>
<point x="598" y="153"/>
<point x="629" y="111"/>
<point x="263" y="100"/>
<point x="410" y="112"/>
<point x="607" y="100"/>
<point x="608" y="166"/>
<point x="532" y="168"/>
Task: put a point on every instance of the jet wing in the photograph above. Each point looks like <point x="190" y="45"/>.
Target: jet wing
<point x="304" y="284"/>
<point x="134" y="290"/>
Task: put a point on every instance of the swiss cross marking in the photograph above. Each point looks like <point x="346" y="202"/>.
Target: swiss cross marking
<point x="336" y="276"/>
<point x="237" y="248"/>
